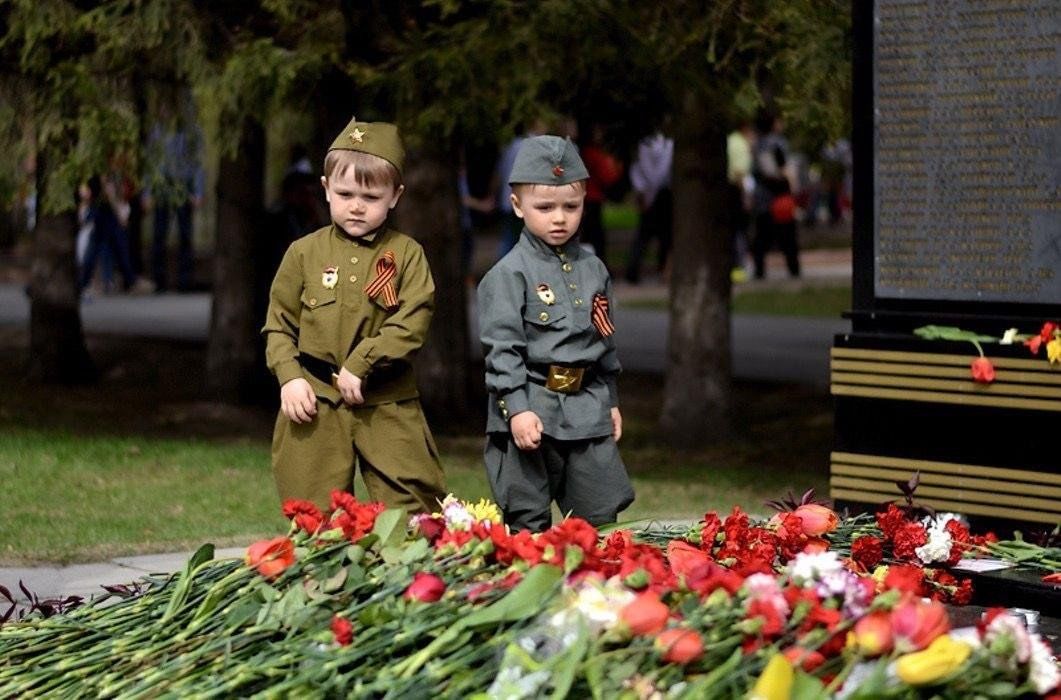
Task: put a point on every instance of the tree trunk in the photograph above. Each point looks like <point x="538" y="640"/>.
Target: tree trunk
<point x="697" y="396"/>
<point x="57" y="341"/>
<point x="231" y="353"/>
<point x="429" y="212"/>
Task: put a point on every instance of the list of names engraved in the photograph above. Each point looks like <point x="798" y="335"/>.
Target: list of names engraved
<point x="967" y="150"/>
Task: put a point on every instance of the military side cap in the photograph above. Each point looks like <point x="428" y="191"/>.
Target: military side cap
<point x="375" y="138"/>
<point x="547" y="160"/>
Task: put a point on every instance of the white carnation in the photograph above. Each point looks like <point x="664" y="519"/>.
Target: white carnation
<point x="807" y="568"/>
<point x="1043" y="672"/>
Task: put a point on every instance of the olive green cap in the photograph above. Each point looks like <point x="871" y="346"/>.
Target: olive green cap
<point x="379" y="139"/>
<point x="547" y="160"/>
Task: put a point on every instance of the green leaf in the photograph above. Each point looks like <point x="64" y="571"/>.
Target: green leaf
<point x="415" y="551"/>
<point x="241" y="613"/>
<point x="528" y="597"/>
<point x="949" y="333"/>
<point x="335" y="582"/>
<point x="199" y="559"/>
<point x="390" y="526"/>
<point x="807" y="687"/>
<point x="564" y="666"/>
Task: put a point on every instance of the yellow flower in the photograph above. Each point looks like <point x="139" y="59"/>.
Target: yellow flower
<point x="775" y="683"/>
<point x="942" y="657"/>
<point x="485" y="510"/>
<point x="1053" y="350"/>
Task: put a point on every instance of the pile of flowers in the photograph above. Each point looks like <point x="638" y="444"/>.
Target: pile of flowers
<point x="360" y="601"/>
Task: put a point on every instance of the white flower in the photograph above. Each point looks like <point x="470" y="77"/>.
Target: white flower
<point x="598" y="604"/>
<point x="1008" y="337"/>
<point x="1005" y="629"/>
<point x="806" y="568"/>
<point x="456" y="514"/>
<point x="937" y="548"/>
<point x="1043" y="672"/>
<point x="939" y="539"/>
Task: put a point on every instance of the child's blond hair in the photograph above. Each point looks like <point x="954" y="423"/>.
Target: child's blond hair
<point x="369" y="170"/>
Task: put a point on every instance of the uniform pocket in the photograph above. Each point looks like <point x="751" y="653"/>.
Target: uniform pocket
<point x="544" y="315"/>
<point x="315" y="297"/>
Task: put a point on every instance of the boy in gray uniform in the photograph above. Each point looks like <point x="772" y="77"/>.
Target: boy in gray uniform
<point x="553" y="419"/>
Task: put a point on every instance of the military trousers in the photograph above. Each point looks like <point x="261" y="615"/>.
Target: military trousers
<point x="389" y="442"/>
<point x="586" y="478"/>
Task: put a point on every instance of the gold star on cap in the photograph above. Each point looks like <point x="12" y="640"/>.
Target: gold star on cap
<point x="357" y="135"/>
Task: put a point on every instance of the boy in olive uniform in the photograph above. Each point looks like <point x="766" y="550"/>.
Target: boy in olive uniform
<point x="348" y="309"/>
<point x="553" y="419"/>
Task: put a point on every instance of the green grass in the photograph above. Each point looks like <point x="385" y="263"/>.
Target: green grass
<point x="816" y="301"/>
<point x="72" y="497"/>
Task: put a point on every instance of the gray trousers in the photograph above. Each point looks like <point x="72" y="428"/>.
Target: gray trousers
<point x="586" y="478"/>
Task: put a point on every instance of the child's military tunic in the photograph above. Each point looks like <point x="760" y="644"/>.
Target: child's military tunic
<point x="321" y="318"/>
<point x="535" y="310"/>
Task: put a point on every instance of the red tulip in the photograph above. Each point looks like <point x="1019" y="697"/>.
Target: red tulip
<point x="916" y="623"/>
<point x="806" y="659"/>
<point x="685" y="558"/>
<point x="983" y="371"/>
<point x="872" y="635"/>
<point x="271" y="557"/>
<point x="816" y="519"/>
<point x="645" y="615"/>
<point x="343" y="630"/>
<point x="680" y="646"/>
<point x="815" y="545"/>
<point x="426" y="588"/>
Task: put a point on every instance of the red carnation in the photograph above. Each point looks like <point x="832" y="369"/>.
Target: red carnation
<point x="890" y="520"/>
<point x="306" y="514"/>
<point x="1046" y="333"/>
<point x="905" y="578"/>
<point x="867" y="551"/>
<point x="426" y="588"/>
<point x="1033" y="344"/>
<point x="982" y="370"/>
<point x="708" y="578"/>
<point x="343" y="630"/>
<point x="709" y="531"/>
<point x="908" y="538"/>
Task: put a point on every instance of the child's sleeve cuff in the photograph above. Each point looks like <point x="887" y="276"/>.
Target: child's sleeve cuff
<point x="288" y="370"/>
<point x="512" y="403"/>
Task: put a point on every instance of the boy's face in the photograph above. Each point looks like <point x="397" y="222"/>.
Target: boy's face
<point x="550" y="212"/>
<point x="358" y="209"/>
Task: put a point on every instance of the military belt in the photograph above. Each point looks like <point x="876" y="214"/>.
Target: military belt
<point x="322" y="370"/>
<point x="563" y="379"/>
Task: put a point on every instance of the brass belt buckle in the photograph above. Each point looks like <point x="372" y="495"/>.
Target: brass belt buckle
<point x="564" y="380"/>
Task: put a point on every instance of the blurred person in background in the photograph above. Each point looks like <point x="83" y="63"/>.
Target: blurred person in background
<point x="650" y="178"/>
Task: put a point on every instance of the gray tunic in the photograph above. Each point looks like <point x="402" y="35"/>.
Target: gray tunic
<point x="522" y="333"/>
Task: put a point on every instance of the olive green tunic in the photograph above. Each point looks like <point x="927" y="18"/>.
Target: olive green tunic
<point x="318" y="306"/>
<point x="578" y="464"/>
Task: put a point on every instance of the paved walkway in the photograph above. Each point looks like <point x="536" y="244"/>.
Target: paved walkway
<point x="757" y="354"/>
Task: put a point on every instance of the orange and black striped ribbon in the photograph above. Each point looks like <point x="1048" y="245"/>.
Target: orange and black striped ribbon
<point x="600" y="316"/>
<point x="386" y="269"/>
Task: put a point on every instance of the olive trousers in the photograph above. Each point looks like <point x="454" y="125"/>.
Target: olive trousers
<point x="389" y="442"/>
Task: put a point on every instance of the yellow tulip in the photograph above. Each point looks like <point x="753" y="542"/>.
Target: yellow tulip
<point x="1053" y="350"/>
<point x="775" y="683"/>
<point x="941" y="658"/>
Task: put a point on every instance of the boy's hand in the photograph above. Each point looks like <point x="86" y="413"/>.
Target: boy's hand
<point x="349" y="385"/>
<point x="297" y="401"/>
<point x="526" y="430"/>
<point x="617" y="424"/>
